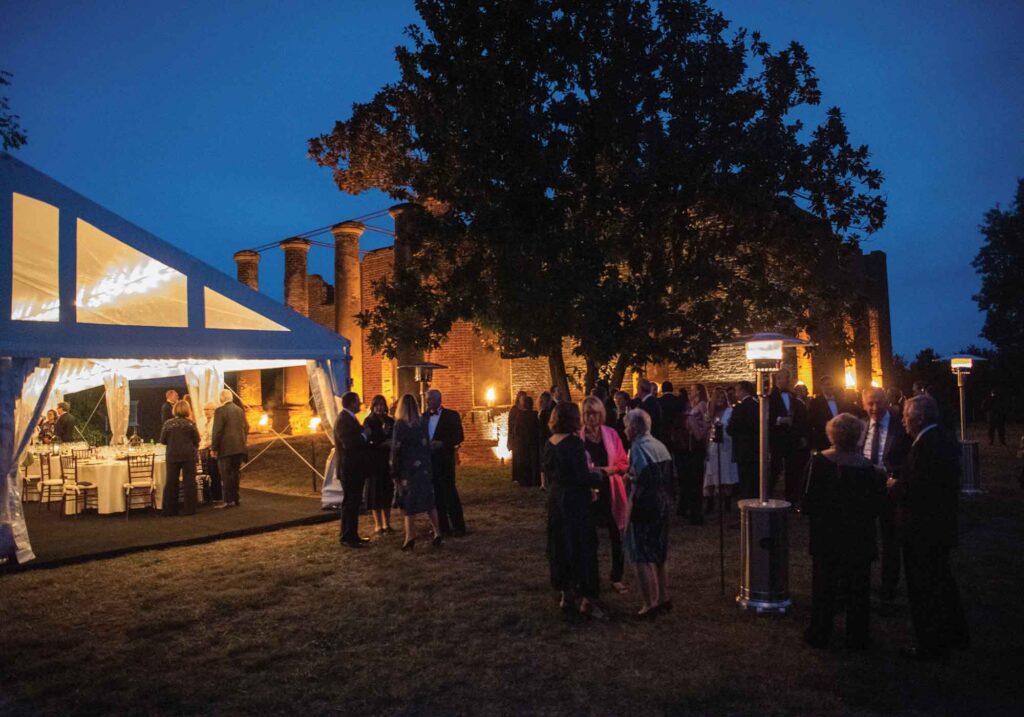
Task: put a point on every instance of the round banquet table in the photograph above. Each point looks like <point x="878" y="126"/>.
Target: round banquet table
<point x="109" y="476"/>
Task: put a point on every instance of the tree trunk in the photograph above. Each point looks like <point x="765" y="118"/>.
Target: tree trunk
<point x="556" y="365"/>
<point x="619" y="373"/>
<point x="590" y="377"/>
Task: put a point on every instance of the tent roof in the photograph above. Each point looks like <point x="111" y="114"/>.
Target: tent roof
<point x="85" y="283"/>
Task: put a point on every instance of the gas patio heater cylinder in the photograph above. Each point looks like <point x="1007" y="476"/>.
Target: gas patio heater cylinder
<point x="764" y="530"/>
<point x="970" y="461"/>
<point x="423" y="375"/>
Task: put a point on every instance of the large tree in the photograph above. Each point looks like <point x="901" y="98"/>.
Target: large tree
<point x="627" y="175"/>
<point x="1000" y="262"/>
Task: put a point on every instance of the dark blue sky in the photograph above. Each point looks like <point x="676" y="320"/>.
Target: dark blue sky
<point x="191" y="119"/>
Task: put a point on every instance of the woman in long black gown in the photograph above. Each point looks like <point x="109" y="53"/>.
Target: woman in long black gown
<point x="411" y="469"/>
<point x="380" y="489"/>
<point x="572" y="538"/>
<point x="545" y="404"/>
<point x="526" y="451"/>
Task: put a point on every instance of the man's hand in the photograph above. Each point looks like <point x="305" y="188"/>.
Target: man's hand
<point x="213" y="454"/>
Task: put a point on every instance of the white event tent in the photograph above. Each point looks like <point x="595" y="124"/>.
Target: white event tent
<point x="88" y="299"/>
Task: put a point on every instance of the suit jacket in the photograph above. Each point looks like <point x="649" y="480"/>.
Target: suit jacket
<point x="449" y="433"/>
<point x="818" y="414"/>
<point x="842" y="503"/>
<point x="166" y="412"/>
<point x="671" y="406"/>
<point x="351" y="445"/>
<point x="928" y="488"/>
<point x="653" y="408"/>
<point x="897" y="444"/>
<point x="229" y="431"/>
<point x="787" y="438"/>
<point x="64" y="430"/>
<point x="745" y="429"/>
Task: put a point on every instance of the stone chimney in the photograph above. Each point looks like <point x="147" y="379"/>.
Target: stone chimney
<point x="348" y="293"/>
<point x="250" y="383"/>
<point x="405" y="217"/>
<point x="296" y="295"/>
<point x="248" y="266"/>
<point x="296" y="292"/>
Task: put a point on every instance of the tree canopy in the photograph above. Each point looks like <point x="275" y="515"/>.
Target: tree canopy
<point x="10" y="129"/>
<point x="630" y="176"/>
<point x="1000" y="262"/>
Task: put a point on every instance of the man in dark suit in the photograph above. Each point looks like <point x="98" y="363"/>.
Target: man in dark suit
<point x="649" y="403"/>
<point x="821" y="409"/>
<point x="745" y="429"/>
<point x="886" y="445"/>
<point x="351" y="443"/>
<point x="167" y="410"/>
<point x="227" y="445"/>
<point x="445" y="430"/>
<point x="927" y="488"/>
<point x="787" y="438"/>
<point x="64" y="429"/>
<point x="671" y="406"/>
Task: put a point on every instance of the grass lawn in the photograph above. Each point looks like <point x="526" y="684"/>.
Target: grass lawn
<point x="288" y="622"/>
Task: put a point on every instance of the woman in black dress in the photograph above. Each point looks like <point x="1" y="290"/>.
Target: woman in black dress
<point x="181" y="437"/>
<point x="380" y="489"/>
<point x="411" y="469"/>
<point x="845" y="493"/>
<point x="526" y="451"/>
<point x="545" y="404"/>
<point x="572" y="538"/>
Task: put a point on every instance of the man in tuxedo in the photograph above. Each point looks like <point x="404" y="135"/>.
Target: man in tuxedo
<point x="671" y="406"/>
<point x="886" y="446"/>
<point x="820" y="410"/>
<point x="227" y="445"/>
<point x="745" y="429"/>
<point x="927" y="488"/>
<point x="445" y="430"/>
<point x="648" y="402"/>
<point x="787" y="438"/>
<point x="351" y="443"/>
<point x="64" y="429"/>
<point x="167" y="410"/>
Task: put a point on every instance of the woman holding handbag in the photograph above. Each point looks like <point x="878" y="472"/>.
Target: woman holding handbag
<point x="607" y="457"/>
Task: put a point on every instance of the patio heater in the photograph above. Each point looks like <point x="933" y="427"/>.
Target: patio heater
<point x="764" y="537"/>
<point x="970" y="463"/>
<point x="423" y="375"/>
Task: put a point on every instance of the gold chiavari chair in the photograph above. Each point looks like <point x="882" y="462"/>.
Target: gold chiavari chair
<point x="140" y="485"/>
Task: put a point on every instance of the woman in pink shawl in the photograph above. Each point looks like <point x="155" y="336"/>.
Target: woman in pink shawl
<point x="607" y="457"/>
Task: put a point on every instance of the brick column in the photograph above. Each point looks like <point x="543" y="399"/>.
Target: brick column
<point x="348" y="294"/>
<point x="876" y="269"/>
<point x="250" y="384"/>
<point x="296" y="296"/>
<point x="405" y="217"/>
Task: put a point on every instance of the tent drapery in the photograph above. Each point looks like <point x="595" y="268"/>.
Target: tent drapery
<point x="24" y="388"/>
<point x="204" y="386"/>
<point x="326" y="385"/>
<point x="119" y="405"/>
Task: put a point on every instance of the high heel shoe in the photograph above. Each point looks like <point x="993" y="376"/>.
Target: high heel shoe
<point x="410" y="546"/>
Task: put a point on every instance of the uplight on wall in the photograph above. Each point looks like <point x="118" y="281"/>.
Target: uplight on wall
<point x="850" y="375"/>
<point x="489" y="396"/>
<point x="264" y="421"/>
<point x="314" y="423"/>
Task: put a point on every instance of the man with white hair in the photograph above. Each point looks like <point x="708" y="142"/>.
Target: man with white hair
<point x="444" y="427"/>
<point x="928" y="488"/>
<point x="227" y="445"/>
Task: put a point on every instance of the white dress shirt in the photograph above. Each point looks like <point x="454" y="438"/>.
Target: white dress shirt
<point x="432" y="423"/>
<point x="924" y="430"/>
<point x="883" y="428"/>
<point x="786" y="398"/>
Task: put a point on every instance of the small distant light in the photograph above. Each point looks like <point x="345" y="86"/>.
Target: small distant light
<point x="875" y="383"/>
<point x="314" y="423"/>
<point x="489" y="396"/>
<point x="850" y="376"/>
<point x="961" y="364"/>
<point x="264" y="421"/>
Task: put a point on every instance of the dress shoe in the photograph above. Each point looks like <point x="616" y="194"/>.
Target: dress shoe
<point x="363" y="539"/>
<point x="351" y="544"/>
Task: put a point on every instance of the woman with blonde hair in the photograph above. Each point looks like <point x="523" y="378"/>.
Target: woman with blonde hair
<point x="606" y="456"/>
<point x="411" y="469"/>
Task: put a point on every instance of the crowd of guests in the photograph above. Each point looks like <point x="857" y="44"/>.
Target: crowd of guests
<point x="407" y="461"/>
<point x="857" y="465"/>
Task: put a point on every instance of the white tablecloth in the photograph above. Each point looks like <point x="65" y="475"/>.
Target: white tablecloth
<point x="109" y="477"/>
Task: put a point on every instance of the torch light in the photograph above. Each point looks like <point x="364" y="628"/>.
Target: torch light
<point x="264" y="421"/>
<point x="764" y="539"/>
<point x="489" y="399"/>
<point x="970" y="462"/>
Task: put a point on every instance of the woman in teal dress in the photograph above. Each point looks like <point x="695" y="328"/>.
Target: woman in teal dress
<point x="410" y="469"/>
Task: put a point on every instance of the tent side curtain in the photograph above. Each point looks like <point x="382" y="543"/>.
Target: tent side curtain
<point x="328" y="381"/>
<point x="85" y="283"/>
<point x="24" y="388"/>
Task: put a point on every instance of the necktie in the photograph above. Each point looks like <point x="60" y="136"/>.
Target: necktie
<point x="876" y="442"/>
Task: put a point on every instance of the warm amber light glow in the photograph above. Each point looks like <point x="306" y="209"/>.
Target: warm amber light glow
<point x="314" y="423"/>
<point x="851" y="375"/>
<point x="489" y="396"/>
<point x="961" y="364"/>
<point x="264" y="421"/>
<point x="875" y="384"/>
<point x="764" y="350"/>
